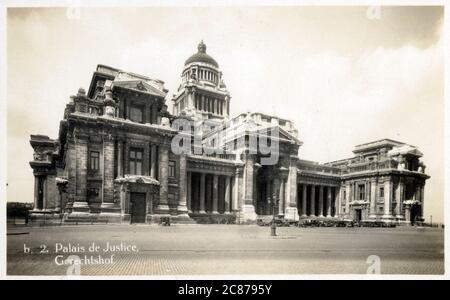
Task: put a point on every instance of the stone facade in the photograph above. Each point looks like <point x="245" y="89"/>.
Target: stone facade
<point x="113" y="160"/>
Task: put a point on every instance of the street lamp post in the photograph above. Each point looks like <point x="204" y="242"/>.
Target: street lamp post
<point x="273" y="227"/>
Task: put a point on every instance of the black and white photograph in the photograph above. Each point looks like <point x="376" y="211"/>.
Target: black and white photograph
<point x="190" y="139"/>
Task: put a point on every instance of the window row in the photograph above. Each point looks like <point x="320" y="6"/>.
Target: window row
<point x="362" y="192"/>
<point x="135" y="160"/>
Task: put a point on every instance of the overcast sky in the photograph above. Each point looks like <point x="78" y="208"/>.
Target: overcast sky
<point x="343" y="76"/>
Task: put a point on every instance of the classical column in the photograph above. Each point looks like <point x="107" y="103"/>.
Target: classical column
<point x="236" y="190"/>
<point x="71" y="186"/>
<point x="189" y="192"/>
<point x="108" y="168"/>
<point x="182" y="202"/>
<point x="81" y="147"/>
<point x="348" y="193"/>
<point x="373" y="198"/>
<point x="291" y="210"/>
<point x="146" y="160"/>
<point x="304" y="200"/>
<point x="108" y="205"/>
<point x="249" y="171"/>
<point x="153" y="161"/>
<point x="269" y="196"/>
<point x="337" y="201"/>
<point x="275" y="194"/>
<point x="123" y="201"/>
<point x="227" y="194"/>
<point x="202" y="193"/>
<point x="367" y="190"/>
<point x="387" y="199"/>
<point x="163" y="206"/>
<point x="190" y="99"/>
<point x="119" y="158"/>
<point x="36" y="193"/>
<point x="215" y="206"/>
<point x="126" y="154"/>
<point x="281" y="197"/>
<point x="328" y="208"/>
<point x="399" y="199"/>
<point x="313" y="201"/>
<point x="422" y="198"/>
<point x="248" y="209"/>
<point x="321" y="201"/>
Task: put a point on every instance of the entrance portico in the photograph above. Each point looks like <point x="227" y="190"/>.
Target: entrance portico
<point x="211" y="189"/>
<point x="318" y="200"/>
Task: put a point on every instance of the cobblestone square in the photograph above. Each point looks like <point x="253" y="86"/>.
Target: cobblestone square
<point x="226" y="250"/>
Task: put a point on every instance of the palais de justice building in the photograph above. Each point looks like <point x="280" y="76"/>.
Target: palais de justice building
<point x="113" y="160"/>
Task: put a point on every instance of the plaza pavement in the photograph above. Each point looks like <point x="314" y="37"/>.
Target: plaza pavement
<point x="230" y="250"/>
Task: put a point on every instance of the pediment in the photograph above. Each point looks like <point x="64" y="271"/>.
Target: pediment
<point x="139" y="86"/>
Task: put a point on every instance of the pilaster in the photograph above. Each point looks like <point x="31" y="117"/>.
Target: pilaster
<point x="163" y="206"/>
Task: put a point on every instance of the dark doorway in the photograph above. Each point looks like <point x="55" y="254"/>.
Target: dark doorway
<point x="138" y="207"/>
<point x="358" y="215"/>
<point x="415" y="213"/>
<point x="40" y="202"/>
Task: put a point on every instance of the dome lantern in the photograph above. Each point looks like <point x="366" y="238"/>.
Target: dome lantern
<point x="201" y="56"/>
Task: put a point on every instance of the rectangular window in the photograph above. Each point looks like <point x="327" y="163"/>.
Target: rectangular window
<point x="135" y="161"/>
<point x="171" y="168"/>
<point x="94" y="158"/>
<point x="361" y="191"/>
<point x="136" y="114"/>
<point x="381" y="192"/>
<point x="345" y="195"/>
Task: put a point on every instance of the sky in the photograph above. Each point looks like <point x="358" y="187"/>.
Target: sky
<point x="344" y="75"/>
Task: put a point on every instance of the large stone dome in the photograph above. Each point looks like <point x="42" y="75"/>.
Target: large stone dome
<point x="201" y="56"/>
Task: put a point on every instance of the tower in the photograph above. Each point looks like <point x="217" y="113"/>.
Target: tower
<point x="202" y="93"/>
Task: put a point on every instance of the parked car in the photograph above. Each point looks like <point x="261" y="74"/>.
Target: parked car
<point x="308" y="223"/>
<point x="264" y="221"/>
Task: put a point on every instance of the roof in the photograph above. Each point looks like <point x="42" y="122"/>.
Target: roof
<point x="201" y="56"/>
<point x="376" y="145"/>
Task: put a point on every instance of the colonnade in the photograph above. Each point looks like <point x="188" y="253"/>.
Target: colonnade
<point x="210" y="193"/>
<point x="318" y="200"/>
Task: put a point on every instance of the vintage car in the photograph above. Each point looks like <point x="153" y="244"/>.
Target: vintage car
<point x="308" y="223"/>
<point x="345" y="223"/>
